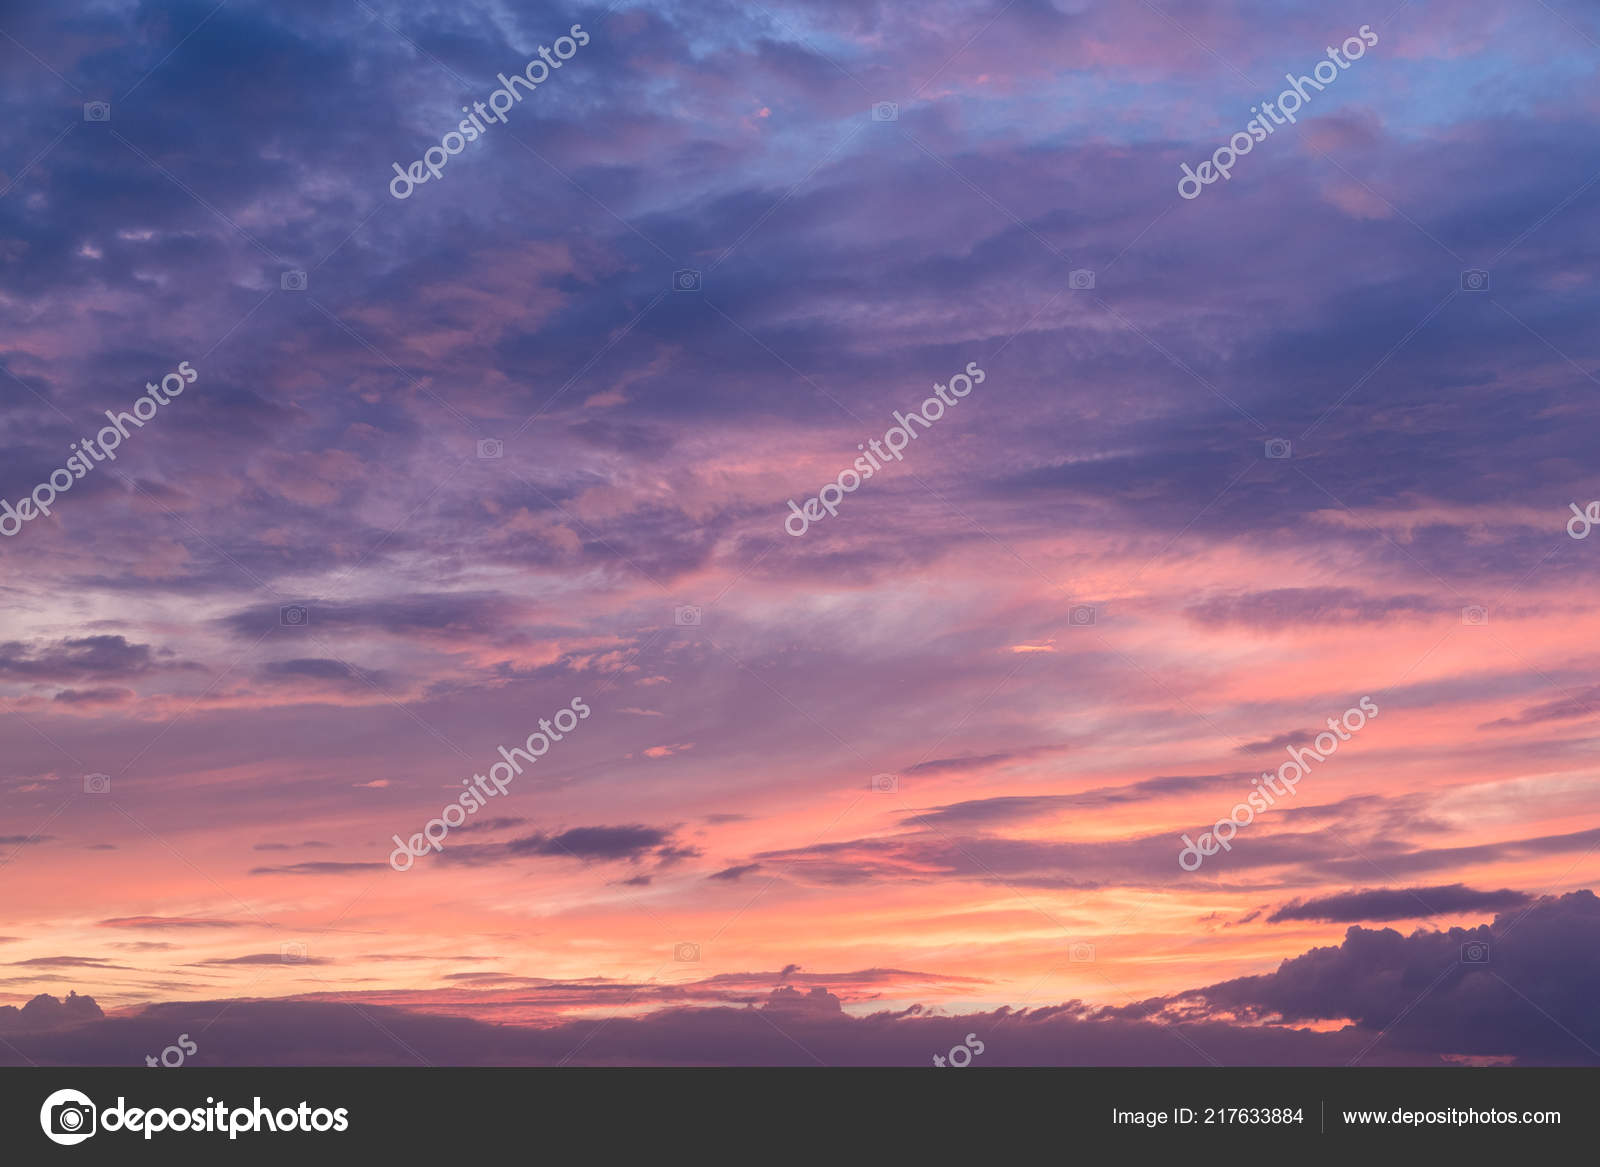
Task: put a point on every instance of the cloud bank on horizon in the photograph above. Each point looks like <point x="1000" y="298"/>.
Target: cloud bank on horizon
<point x="531" y="434"/>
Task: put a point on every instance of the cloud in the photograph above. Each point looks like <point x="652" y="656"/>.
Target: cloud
<point x="1519" y="988"/>
<point x="169" y="922"/>
<point x="46" y="1012"/>
<point x="1401" y="903"/>
<point x="315" y="867"/>
<point x="76" y="658"/>
<point x="65" y="962"/>
<point x="735" y="873"/>
<point x="335" y="672"/>
<point x="1282" y="608"/>
<point x="1585" y="703"/>
<point x="1477" y="991"/>
<point x="631" y="844"/>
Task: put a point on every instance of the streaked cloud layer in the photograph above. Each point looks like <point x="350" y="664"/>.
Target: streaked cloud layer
<point x="934" y="757"/>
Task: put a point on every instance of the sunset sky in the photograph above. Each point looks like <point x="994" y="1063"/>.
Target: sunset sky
<point x="932" y="758"/>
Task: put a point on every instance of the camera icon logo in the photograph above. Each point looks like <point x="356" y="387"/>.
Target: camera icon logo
<point x="1474" y="279"/>
<point x="686" y="952"/>
<point x="1279" y="448"/>
<point x="1081" y="280"/>
<point x="686" y="616"/>
<point x="885" y="111"/>
<point x="686" y="280"/>
<point x="1475" y="952"/>
<point x="292" y="952"/>
<point x="294" y="281"/>
<point x="97" y="111"/>
<point x="1081" y="953"/>
<point x="68" y="1117"/>
<point x="490" y="449"/>
<point x="97" y="783"/>
<point x="1081" y="615"/>
<point x="293" y="616"/>
<point x="1474" y="615"/>
<point x="884" y="784"/>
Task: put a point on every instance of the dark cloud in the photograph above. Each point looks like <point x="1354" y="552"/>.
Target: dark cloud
<point x="604" y="844"/>
<point x="169" y="922"/>
<point x="1400" y="903"/>
<point x="65" y="962"/>
<point x="1585" y="703"/>
<point x="1021" y="808"/>
<point x="79" y="658"/>
<point x="735" y="873"/>
<point x="1287" y="607"/>
<point x="103" y="696"/>
<point x="317" y="669"/>
<point x="1521" y="986"/>
<point x="324" y="867"/>
<point x="502" y="823"/>
<point x="47" y="1012"/>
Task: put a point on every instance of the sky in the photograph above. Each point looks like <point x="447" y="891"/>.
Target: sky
<point x="1293" y="458"/>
